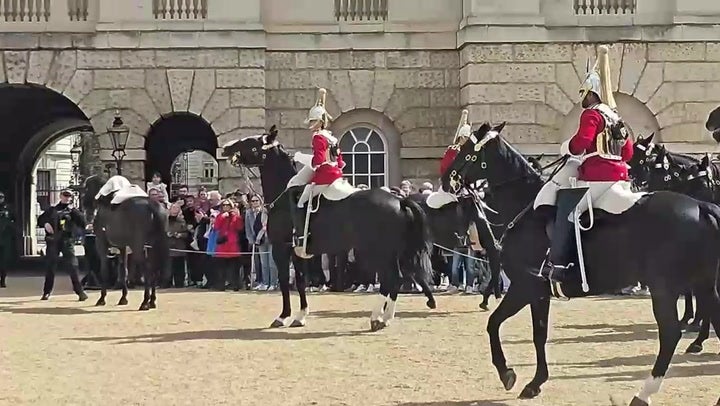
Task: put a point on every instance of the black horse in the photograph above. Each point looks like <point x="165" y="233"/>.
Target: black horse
<point x="449" y="228"/>
<point x="655" y="168"/>
<point x="390" y="234"/>
<point x="134" y="223"/>
<point x="713" y="124"/>
<point x="667" y="239"/>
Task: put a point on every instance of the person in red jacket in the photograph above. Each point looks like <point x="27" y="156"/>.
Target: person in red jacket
<point x="326" y="164"/>
<point x="462" y="134"/>
<point x="227" y="226"/>
<point x="603" y="147"/>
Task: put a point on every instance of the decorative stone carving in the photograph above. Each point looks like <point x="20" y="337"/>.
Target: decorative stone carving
<point x="180" y="82"/>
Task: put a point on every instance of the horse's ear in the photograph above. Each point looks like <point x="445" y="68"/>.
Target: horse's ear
<point x="272" y="134"/>
<point x="498" y="128"/>
<point x="705" y="162"/>
<point x="650" y="138"/>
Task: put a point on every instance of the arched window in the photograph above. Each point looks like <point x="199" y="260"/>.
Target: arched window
<point x="365" y="154"/>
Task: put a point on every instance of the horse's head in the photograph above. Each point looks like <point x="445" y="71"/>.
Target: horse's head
<point x="642" y="160"/>
<point x="713" y="124"/>
<point x="665" y="173"/>
<point x="252" y="151"/>
<point x="702" y="179"/>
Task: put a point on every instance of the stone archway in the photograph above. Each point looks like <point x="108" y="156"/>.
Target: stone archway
<point x="172" y="135"/>
<point x="639" y="117"/>
<point x="33" y="117"/>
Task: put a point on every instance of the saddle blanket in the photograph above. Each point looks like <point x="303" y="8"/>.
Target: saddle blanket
<point x="436" y="200"/>
<point x="612" y="197"/>
<point x="338" y="190"/>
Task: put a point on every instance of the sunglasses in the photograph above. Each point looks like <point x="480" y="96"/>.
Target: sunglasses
<point x="255" y="201"/>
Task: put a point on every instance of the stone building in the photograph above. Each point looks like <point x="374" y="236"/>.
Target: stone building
<point x="194" y="74"/>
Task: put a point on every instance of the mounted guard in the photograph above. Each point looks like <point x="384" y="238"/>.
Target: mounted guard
<point x="322" y="175"/>
<point x="440" y="198"/>
<point x="595" y="173"/>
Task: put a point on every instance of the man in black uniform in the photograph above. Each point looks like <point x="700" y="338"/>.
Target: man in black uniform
<point x="7" y="237"/>
<point x="59" y="221"/>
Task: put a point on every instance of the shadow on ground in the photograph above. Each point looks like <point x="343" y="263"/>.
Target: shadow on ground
<point x="250" y="334"/>
<point x="607" y="334"/>
<point x="338" y="314"/>
<point x="456" y="403"/>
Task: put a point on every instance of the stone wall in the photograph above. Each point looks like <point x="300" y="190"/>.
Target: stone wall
<point x="418" y="90"/>
<point x="223" y="86"/>
<point x="535" y="86"/>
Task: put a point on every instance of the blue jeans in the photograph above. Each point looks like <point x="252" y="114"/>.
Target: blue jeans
<point x="265" y="260"/>
<point x="467" y="264"/>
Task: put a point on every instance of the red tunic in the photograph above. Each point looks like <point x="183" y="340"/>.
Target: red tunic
<point x="596" y="168"/>
<point x="326" y="171"/>
<point x="228" y="226"/>
<point x="447" y="159"/>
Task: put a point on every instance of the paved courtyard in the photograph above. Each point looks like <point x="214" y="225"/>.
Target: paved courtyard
<point x="211" y="348"/>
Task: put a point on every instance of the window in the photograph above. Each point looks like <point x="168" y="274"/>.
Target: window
<point x="208" y="170"/>
<point x="365" y="155"/>
<point x="44" y="189"/>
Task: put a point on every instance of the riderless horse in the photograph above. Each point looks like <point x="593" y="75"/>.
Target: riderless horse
<point x="391" y="234"/>
<point x="667" y="239"/>
<point x="125" y="218"/>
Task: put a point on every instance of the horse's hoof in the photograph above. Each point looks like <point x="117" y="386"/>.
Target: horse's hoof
<point x="637" y="402"/>
<point x="376" y="325"/>
<point x="277" y="323"/>
<point x="123" y="301"/>
<point x="694" y="348"/>
<point x="508" y="379"/>
<point x="82" y="297"/>
<point x="484" y="307"/>
<point x="431" y="304"/>
<point x="297" y="323"/>
<point x="3" y="285"/>
<point x="100" y="302"/>
<point x="529" y="392"/>
<point x="144" y="307"/>
<point x="152" y="305"/>
<point x="45" y="296"/>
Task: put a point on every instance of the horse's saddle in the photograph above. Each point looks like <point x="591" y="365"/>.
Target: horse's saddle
<point x="128" y="192"/>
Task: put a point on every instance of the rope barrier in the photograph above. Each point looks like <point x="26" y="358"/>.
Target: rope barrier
<point x="461" y="253"/>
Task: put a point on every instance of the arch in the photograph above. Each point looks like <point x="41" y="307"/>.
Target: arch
<point x="636" y="114"/>
<point x="33" y="117"/>
<point x="374" y="122"/>
<point x="172" y="135"/>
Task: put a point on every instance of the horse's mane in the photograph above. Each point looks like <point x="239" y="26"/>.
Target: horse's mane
<point x="517" y="160"/>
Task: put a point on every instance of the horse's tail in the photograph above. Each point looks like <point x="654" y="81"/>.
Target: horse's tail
<point x="415" y="258"/>
<point x="712" y="211"/>
<point x="160" y="251"/>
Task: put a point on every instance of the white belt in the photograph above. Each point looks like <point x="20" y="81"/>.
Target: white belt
<point x="604" y="156"/>
<point x="327" y="163"/>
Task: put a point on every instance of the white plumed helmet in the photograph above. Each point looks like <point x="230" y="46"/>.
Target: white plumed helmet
<point x="318" y="112"/>
<point x="597" y="79"/>
<point x="464" y="129"/>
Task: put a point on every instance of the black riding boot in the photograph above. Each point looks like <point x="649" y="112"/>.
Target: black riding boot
<point x="298" y="216"/>
<point x="557" y="266"/>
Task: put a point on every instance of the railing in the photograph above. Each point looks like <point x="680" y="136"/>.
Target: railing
<point x="78" y="10"/>
<point x="606" y="7"/>
<point x="180" y="9"/>
<point x="25" y="10"/>
<point x="47" y="15"/>
<point x="358" y="10"/>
